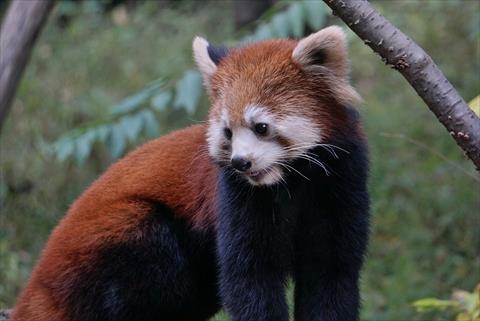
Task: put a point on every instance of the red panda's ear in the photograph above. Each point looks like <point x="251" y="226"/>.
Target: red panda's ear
<point x="207" y="57"/>
<point x="324" y="53"/>
<point x="326" y="48"/>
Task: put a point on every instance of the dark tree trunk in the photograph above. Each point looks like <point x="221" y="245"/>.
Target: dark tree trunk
<point x="418" y="68"/>
<point x="21" y="26"/>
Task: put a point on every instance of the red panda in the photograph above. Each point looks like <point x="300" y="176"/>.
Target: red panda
<point x="221" y="214"/>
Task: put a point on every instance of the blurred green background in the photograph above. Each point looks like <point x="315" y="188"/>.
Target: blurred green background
<point x="70" y="120"/>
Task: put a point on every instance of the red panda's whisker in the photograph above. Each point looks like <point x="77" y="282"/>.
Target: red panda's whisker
<point x="331" y="151"/>
<point x="335" y="146"/>
<point x="329" y="147"/>
<point x="309" y="145"/>
<point x="316" y="162"/>
<point x="316" y="156"/>
<point x="282" y="180"/>
<point x="288" y="167"/>
<point x="284" y="184"/>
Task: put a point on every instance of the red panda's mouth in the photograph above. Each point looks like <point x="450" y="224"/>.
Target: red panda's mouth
<point x="259" y="174"/>
<point x="255" y="174"/>
<point x="266" y="176"/>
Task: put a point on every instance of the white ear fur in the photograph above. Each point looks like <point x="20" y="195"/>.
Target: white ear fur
<point x="204" y="63"/>
<point x="325" y="53"/>
<point x="327" y="48"/>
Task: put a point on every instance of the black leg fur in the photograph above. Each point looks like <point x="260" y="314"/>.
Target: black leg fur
<point x="255" y="251"/>
<point x="317" y="229"/>
<point x="331" y="239"/>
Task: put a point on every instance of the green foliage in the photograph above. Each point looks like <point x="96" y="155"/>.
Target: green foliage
<point x="465" y="304"/>
<point x="432" y="304"/>
<point x="188" y="91"/>
<point x="13" y="271"/>
<point x="424" y="209"/>
<point x="127" y="120"/>
<point x="134" y="115"/>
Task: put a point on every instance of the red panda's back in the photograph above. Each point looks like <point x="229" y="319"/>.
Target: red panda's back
<point x="173" y="171"/>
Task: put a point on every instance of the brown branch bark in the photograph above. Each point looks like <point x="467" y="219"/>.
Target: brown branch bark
<point x="418" y="68"/>
<point x="21" y="25"/>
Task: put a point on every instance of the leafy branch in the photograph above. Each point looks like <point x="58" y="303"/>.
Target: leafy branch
<point x="136" y="115"/>
<point x="465" y="304"/>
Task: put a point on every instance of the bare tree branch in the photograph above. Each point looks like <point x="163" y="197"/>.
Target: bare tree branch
<point x="21" y="26"/>
<point x="418" y="68"/>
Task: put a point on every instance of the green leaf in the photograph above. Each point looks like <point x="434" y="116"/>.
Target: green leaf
<point x="263" y="32"/>
<point x="280" y="25"/>
<point x="131" y="103"/>
<point x="64" y="148"/>
<point x="117" y="141"/>
<point x="151" y="125"/>
<point x="188" y="91"/>
<point x="132" y="125"/>
<point x="247" y="39"/>
<point x="102" y="132"/>
<point x="296" y="17"/>
<point x="316" y="13"/>
<point x="433" y="304"/>
<point x="160" y="101"/>
<point x="136" y="100"/>
<point x="83" y="146"/>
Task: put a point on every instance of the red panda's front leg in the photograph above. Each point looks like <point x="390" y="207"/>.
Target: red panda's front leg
<point x="253" y="253"/>
<point x="331" y="240"/>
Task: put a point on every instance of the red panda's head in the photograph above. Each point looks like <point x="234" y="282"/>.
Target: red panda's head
<point x="273" y="101"/>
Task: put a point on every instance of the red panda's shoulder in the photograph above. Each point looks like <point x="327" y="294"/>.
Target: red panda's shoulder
<point x="172" y="170"/>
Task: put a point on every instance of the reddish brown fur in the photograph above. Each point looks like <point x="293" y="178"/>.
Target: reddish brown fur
<point x="173" y="169"/>
<point x="257" y="74"/>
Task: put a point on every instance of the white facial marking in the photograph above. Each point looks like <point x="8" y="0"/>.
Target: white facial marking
<point x="264" y="155"/>
<point x="298" y="129"/>
<point x="224" y="118"/>
<point x="216" y="136"/>
<point x="256" y="114"/>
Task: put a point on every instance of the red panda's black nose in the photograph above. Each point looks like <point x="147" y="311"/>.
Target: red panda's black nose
<point x="241" y="164"/>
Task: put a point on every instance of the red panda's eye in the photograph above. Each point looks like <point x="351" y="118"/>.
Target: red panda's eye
<point x="261" y="128"/>
<point x="227" y="132"/>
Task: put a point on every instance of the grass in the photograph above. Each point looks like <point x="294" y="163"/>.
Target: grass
<point x="425" y="209"/>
